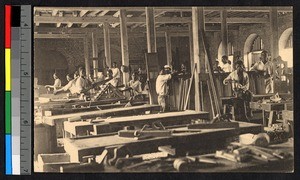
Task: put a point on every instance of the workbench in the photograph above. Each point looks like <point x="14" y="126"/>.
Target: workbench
<point x="58" y="120"/>
<point x="80" y="147"/>
<point x="270" y="107"/>
<point x="74" y="129"/>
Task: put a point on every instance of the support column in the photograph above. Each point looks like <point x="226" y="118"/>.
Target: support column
<point x="95" y="55"/>
<point x="86" y="56"/>
<point x="274" y="32"/>
<point x="224" y="32"/>
<point x="124" y="43"/>
<point x="197" y="19"/>
<point x="106" y="32"/>
<point x="191" y="45"/>
<point x="151" y="34"/>
<point x="168" y="48"/>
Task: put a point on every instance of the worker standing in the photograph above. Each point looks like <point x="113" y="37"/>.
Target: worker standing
<point x="265" y="67"/>
<point x="115" y="73"/>
<point x="162" y="88"/>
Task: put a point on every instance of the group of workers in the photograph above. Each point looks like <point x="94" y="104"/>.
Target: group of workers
<point x="238" y="78"/>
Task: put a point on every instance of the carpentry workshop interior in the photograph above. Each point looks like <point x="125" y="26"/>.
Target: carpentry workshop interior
<point x="163" y="89"/>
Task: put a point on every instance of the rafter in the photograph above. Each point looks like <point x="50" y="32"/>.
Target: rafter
<point x="103" y="13"/>
<point x="133" y="20"/>
<point x="60" y="14"/>
<point x="54" y="12"/>
<point x="83" y="12"/>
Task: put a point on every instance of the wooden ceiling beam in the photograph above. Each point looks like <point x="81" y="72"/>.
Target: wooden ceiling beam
<point x="169" y="9"/>
<point x="103" y="13"/>
<point x="60" y="15"/>
<point x="83" y="12"/>
<point x="130" y="20"/>
<point x="54" y="12"/>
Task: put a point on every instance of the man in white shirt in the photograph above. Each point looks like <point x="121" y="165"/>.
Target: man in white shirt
<point x="226" y="67"/>
<point x="57" y="83"/>
<point x="162" y="87"/>
<point x="266" y="67"/>
<point x="116" y="72"/>
<point x="71" y="86"/>
<point x="81" y="82"/>
<point x="240" y="86"/>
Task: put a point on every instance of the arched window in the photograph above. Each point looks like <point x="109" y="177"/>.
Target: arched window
<point x="252" y="50"/>
<point x="286" y="46"/>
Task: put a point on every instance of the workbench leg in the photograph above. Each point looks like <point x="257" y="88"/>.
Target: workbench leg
<point x="264" y="119"/>
<point x="270" y="118"/>
<point x="224" y="109"/>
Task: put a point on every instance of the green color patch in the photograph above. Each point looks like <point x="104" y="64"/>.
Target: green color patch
<point x="7" y="112"/>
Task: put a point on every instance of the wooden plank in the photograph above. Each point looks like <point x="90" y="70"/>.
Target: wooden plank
<point x="117" y="123"/>
<point x="168" y="48"/>
<point x="150" y="26"/>
<point x="274" y="33"/>
<point x="195" y="25"/>
<point x="52" y="120"/>
<point x="124" y="43"/>
<point x="95" y="55"/>
<point x="224" y="32"/>
<point x="86" y="56"/>
<point x="134" y="20"/>
<point x="106" y="33"/>
<point x="77" y="148"/>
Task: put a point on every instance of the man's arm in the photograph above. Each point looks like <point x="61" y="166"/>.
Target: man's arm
<point x="229" y="77"/>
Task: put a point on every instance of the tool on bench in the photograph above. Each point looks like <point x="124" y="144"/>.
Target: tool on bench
<point x="157" y="130"/>
<point x="231" y="156"/>
<point x="184" y="164"/>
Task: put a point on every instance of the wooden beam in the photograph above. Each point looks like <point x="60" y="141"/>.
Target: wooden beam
<point x="117" y="14"/>
<point x="151" y="34"/>
<point x="103" y="13"/>
<point x="59" y="36"/>
<point x="60" y="14"/>
<point x="274" y="32"/>
<point x="54" y="12"/>
<point x="199" y="53"/>
<point x="224" y="32"/>
<point x="133" y="20"/>
<point x="124" y="43"/>
<point x="169" y="9"/>
<point x="86" y="56"/>
<point x="106" y="32"/>
<point x="83" y="12"/>
<point x="168" y="48"/>
<point x="84" y="25"/>
<point x="94" y="13"/>
<point x="95" y="54"/>
<point x="191" y="46"/>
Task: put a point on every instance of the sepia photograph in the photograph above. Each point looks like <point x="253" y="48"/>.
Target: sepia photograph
<point x="163" y="89"/>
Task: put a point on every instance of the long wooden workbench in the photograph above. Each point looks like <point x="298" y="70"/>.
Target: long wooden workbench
<point x="78" y="148"/>
<point x="134" y="110"/>
<point x="114" y="124"/>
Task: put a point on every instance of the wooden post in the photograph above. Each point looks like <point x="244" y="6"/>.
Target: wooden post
<point x="195" y="24"/>
<point x="124" y="43"/>
<point x="168" y="48"/>
<point x="274" y="41"/>
<point x="274" y="32"/>
<point x="224" y="32"/>
<point x="86" y="56"/>
<point x="151" y="34"/>
<point x="106" y="27"/>
<point x="95" y="55"/>
<point x="191" y="45"/>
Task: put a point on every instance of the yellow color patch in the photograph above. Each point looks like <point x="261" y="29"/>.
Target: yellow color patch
<point x="7" y="70"/>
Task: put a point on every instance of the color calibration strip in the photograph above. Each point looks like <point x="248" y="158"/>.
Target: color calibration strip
<point x="18" y="90"/>
<point x="8" y="136"/>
